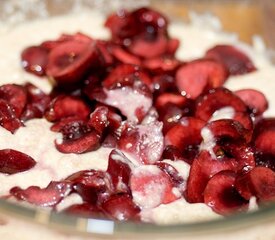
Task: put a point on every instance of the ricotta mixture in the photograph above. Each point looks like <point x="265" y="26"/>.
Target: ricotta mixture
<point x="37" y="140"/>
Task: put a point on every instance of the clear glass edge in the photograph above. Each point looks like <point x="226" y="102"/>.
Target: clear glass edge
<point x="80" y="225"/>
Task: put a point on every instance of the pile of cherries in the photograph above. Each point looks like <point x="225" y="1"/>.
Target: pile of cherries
<point x="130" y="93"/>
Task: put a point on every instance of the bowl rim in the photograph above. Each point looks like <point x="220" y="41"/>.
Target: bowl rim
<point x="106" y="227"/>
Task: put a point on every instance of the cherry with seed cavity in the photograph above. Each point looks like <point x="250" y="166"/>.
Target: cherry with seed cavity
<point x="221" y="195"/>
<point x="202" y="169"/>
<point x="186" y="136"/>
<point x="231" y="140"/>
<point x="70" y="61"/>
<point x="78" y="137"/>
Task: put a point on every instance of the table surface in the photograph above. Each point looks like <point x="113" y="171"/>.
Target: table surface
<point x="246" y="19"/>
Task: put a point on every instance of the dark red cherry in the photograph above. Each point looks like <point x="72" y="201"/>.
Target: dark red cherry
<point x="164" y="83"/>
<point x="121" y="207"/>
<point x="105" y="52"/>
<point x="12" y="161"/>
<point x="77" y="137"/>
<point x="37" y="103"/>
<point x="99" y="119"/>
<point x="194" y="78"/>
<point x="125" y="75"/>
<point x="172" y="153"/>
<point x="229" y="130"/>
<point x="161" y="65"/>
<point x="186" y="136"/>
<point x="265" y="160"/>
<point x="173" y="98"/>
<point x="202" y="169"/>
<point x="94" y="186"/>
<point x="150" y="21"/>
<point x="84" y="210"/>
<point x="121" y="25"/>
<point x="70" y="61"/>
<point x="259" y="182"/>
<point x="119" y="168"/>
<point x="8" y="119"/>
<point x="217" y="99"/>
<point x="147" y="48"/>
<point x="64" y="106"/>
<point x="34" y="59"/>
<point x="173" y="173"/>
<point x="15" y="95"/>
<point x="125" y="57"/>
<point x="254" y="99"/>
<point x="172" y="46"/>
<point x="264" y="135"/>
<point x="235" y="60"/>
<point x="221" y="195"/>
<point x="50" y="196"/>
<point x="143" y="142"/>
<point x="170" y="114"/>
<point x="151" y="187"/>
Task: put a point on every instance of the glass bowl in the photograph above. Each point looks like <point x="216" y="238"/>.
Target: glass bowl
<point x="250" y="18"/>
